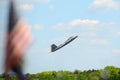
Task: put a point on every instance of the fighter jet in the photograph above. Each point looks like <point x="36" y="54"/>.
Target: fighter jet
<point x="55" y="48"/>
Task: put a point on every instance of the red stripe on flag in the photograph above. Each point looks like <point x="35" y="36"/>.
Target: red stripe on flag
<point x="18" y="41"/>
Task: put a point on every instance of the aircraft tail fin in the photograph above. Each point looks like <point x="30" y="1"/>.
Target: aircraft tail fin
<point x="53" y="47"/>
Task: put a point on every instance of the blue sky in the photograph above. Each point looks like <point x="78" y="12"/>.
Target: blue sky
<point x="96" y="22"/>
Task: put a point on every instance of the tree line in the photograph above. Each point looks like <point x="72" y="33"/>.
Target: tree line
<point x="108" y="73"/>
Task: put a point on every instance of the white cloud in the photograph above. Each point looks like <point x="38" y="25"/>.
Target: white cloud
<point x="86" y="23"/>
<point x="26" y="7"/>
<point x="98" y="41"/>
<point x="89" y="28"/>
<point x="105" y="4"/>
<point x="38" y="27"/>
<point x="117" y="51"/>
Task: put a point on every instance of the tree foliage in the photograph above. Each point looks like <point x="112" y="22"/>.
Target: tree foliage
<point x="108" y="73"/>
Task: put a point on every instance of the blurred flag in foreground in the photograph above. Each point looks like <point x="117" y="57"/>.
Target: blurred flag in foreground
<point x="19" y="38"/>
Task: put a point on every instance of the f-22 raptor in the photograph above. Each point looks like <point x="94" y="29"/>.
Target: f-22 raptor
<point x="55" y="48"/>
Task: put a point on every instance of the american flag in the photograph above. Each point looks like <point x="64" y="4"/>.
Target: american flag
<point x="19" y="38"/>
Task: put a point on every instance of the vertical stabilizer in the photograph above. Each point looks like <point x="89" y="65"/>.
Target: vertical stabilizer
<point x="53" y="47"/>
